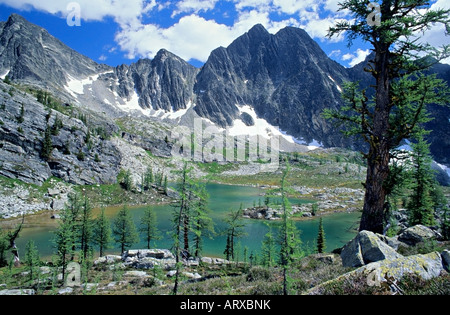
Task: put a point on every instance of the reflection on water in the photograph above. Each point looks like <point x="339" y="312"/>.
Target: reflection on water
<point x="339" y="228"/>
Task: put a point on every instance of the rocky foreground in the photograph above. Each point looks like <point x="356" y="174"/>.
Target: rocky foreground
<point x="368" y="262"/>
<point x="378" y="261"/>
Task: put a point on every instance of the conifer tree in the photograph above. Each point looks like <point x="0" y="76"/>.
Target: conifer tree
<point x="124" y="229"/>
<point x="420" y="207"/>
<point x="289" y="237"/>
<point x="127" y="181"/>
<point x="57" y="126"/>
<point x="321" y="243"/>
<point x="179" y="220"/>
<point x="401" y="92"/>
<point x="202" y="224"/>
<point x="47" y="144"/>
<point x="165" y="185"/>
<point x="102" y="232"/>
<point x="64" y="240"/>
<point x="32" y="259"/>
<point x="234" y="230"/>
<point x="86" y="228"/>
<point x="148" y="178"/>
<point x="268" y="248"/>
<point x="149" y="226"/>
<point x="74" y="211"/>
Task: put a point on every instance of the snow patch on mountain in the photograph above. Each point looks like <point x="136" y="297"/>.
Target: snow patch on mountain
<point x="172" y="115"/>
<point x="76" y="87"/>
<point x="337" y="86"/>
<point x="260" y="127"/>
<point x="132" y="104"/>
<point x="4" y="75"/>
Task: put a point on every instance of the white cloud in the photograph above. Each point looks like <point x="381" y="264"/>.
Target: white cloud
<point x="358" y="57"/>
<point x="123" y="12"/>
<point x="190" y="6"/>
<point x="193" y="33"/>
<point x="335" y="53"/>
<point x="192" y="37"/>
<point x="295" y="6"/>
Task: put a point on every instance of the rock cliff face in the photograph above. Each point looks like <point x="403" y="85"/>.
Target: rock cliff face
<point x="78" y="156"/>
<point x="30" y="54"/>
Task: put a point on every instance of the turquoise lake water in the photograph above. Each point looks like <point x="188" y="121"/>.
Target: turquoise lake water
<point x="339" y="227"/>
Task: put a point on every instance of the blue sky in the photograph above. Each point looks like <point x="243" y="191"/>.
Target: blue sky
<point x="116" y="32"/>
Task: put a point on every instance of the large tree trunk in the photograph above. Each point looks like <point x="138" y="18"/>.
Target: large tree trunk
<point x="373" y="216"/>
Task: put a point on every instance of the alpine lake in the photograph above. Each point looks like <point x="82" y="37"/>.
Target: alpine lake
<point x="339" y="227"/>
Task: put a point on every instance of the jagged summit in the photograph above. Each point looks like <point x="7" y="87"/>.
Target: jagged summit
<point x="279" y="76"/>
<point x="28" y="53"/>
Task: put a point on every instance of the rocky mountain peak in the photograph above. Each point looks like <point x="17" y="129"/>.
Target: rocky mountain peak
<point x="29" y="54"/>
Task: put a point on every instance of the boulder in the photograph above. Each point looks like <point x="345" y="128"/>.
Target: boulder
<point x="108" y="259"/>
<point x="386" y="273"/>
<point x="365" y="248"/>
<point x="207" y="260"/>
<point x="148" y="253"/>
<point x="426" y="266"/>
<point x="150" y="263"/>
<point x="190" y="275"/>
<point x="326" y="258"/>
<point x="171" y="273"/>
<point x="135" y="273"/>
<point x="149" y="258"/>
<point x="66" y="290"/>
<point x="416" y="234"/>
<point x="391" y="241"/>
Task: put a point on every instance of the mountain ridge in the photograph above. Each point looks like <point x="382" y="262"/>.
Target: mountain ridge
<point x="285" y="79"/>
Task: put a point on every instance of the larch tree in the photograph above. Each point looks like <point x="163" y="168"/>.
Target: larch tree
<point x="400" y="91"/>
<point x="124" y="229"/>
<point x="149" y="226"/>
<point x="321" y="243"/>
<point x="64" y="240"/>
<point x="32" y="259"/>
<point x="421" y="206"/>
<point x="180" y="220"/>
<point x="234" y="230"/>
<point x="102" y="232"/>
<point x="202" y="223"/>
<point x="86" y="228"/>
<point x="268" y="254"/>
<point x="289" y="236"/>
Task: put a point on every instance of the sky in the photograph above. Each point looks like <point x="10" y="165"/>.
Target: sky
<point x="118" y="32"/>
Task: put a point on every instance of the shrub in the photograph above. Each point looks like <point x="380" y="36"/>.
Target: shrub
<point x="260" y="273"/>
